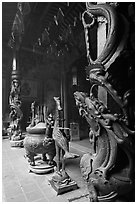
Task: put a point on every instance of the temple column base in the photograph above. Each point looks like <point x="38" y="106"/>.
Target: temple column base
<point x="62" y="185"/>
<point x="63" y="188"/>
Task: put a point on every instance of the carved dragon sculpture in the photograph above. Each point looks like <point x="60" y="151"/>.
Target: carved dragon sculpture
<point x="109" y="136"/>
<point x="16" y="113"/>
<point x="109" y="169"/>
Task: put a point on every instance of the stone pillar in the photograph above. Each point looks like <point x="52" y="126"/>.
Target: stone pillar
<point x="62" y="94"/>
<point x="101" y="39"/>
<point x="65" y="106"/>
<point x="15" y="115"/>
<point x="64" y="97"/>
<point x="14" y="98"/>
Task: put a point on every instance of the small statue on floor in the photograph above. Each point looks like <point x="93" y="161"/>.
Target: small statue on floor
<point x="61" y="177"/>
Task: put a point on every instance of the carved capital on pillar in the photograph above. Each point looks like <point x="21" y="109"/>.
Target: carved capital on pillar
<point x="101" y="20"/>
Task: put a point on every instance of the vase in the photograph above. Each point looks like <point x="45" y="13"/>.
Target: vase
<point x="37" y="143"/>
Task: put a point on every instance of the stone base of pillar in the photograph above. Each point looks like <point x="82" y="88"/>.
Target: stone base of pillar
<point x="41" y="167"/>
<point x="17" y="143"/>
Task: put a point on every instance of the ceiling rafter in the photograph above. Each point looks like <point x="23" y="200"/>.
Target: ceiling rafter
<point x="41" y="17"/>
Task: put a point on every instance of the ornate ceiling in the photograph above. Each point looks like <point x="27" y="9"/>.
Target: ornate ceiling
<point x="8" y="14"/>
<point x="42" y="18"/>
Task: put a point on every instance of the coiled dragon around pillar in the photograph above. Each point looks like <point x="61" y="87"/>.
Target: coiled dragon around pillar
<point x="16" y="113"/>
<point x="109" y="168"/>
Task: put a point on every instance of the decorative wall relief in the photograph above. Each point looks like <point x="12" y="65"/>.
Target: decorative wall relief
<point x="109" y="169"/>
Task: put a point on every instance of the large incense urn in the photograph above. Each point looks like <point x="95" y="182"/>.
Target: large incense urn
<point x="39" y="142"/>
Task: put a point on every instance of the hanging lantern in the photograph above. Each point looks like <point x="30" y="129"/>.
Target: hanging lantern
<point x="39" y="42"/>
<point x="55" y="19"/>
<point x="74" y="77"/>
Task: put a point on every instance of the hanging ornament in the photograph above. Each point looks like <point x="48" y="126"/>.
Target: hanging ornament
<point x="66" y="46"/>
<point x="60" y="12"/>
<point x="39" y="42"/>
<point x="69" y="29"/>
<point x="67" y="3"/>
<point x="55" y="20"/>
<point x="45" y="36"/>
<point x="46" y="31"/>
<point x="55" y="44"/>
<point x="75" y="21"/>
<point x="60" y="17"/>
<point x="51" y="49"/>
<point x="60" y="38"/>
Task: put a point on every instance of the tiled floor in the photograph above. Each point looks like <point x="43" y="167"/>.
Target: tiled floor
<point x="21" y="186"/>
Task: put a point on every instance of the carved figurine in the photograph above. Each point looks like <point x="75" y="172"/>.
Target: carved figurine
<point x="109" y="168"/>
<point x="15" y="91"/>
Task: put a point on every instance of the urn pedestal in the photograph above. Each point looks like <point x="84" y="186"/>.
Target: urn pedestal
<point x="37" y="143"/>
